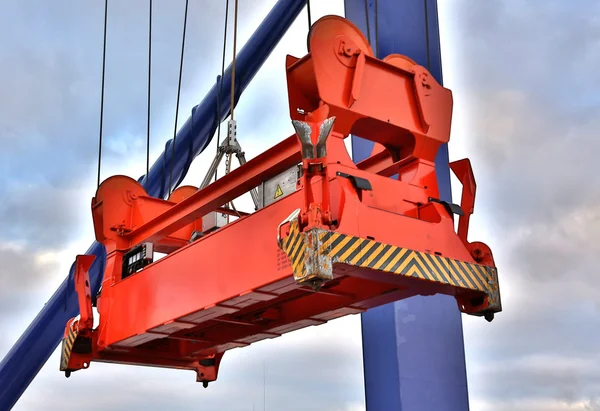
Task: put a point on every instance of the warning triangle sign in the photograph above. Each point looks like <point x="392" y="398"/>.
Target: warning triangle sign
<point x="278" y="192"/>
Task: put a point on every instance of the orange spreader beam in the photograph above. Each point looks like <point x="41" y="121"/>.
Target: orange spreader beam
<point x="348" y="238"/>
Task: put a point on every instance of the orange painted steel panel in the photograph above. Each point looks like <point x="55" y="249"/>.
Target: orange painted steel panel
<point x="205" y="270"/>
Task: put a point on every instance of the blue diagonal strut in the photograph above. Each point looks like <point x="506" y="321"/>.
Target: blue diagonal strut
<point x="22" y="363"/>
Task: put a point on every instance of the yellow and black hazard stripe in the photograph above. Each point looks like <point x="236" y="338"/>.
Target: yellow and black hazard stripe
<point x="367" y="253"/>
<point x="67" y="349"/>
<point x="295" y="248"/>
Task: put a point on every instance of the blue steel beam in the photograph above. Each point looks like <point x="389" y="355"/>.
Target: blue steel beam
<point x="22" y="363"/>
<point x="413" y="350"/>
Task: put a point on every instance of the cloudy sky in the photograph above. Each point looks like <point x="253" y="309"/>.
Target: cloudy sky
<point x="526" y="90"/>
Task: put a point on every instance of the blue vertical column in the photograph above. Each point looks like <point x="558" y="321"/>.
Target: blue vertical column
<point x="413" y="350"/>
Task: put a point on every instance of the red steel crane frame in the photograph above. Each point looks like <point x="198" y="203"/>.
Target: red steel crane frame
<point x="348" y="239"/>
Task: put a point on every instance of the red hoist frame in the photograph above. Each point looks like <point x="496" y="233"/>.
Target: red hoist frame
<point x="348" y="239"/>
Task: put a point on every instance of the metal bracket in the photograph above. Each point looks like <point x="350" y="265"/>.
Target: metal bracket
<point x="229" y="146"/>
<point x="451" y="207"/>
<point x="358" y="182"/>
<point x="293" y="216"/>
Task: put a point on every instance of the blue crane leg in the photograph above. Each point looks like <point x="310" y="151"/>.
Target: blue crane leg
<point x="413" y="350"/>
<point x="22" y="363"/>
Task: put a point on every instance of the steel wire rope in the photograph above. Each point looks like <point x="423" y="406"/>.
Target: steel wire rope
<point x="221" y="84"/>
<point x="377" y="28"/>
<point x="427" y="35"/>
<point x="148" y="103"/>
<point x="102" y="93"/>
<point x="367" y="19"/>
<point x="235" y="19"/>
<point x="185" y="15"/>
